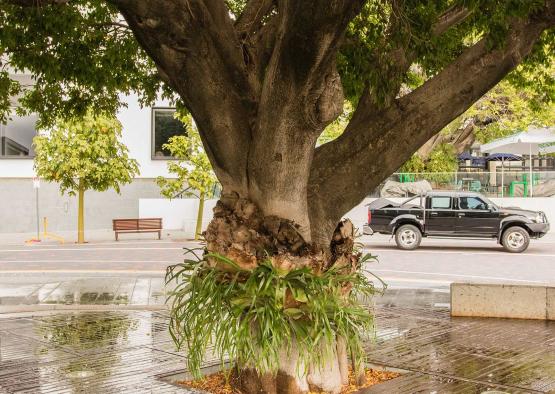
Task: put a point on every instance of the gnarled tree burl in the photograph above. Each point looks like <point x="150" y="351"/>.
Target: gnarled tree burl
<point x="263" y="78"/>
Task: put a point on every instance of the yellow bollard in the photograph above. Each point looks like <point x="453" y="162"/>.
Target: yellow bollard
<point x="48" y="235"/>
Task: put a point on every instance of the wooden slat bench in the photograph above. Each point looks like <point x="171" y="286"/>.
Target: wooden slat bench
<point x="150" y="225"/>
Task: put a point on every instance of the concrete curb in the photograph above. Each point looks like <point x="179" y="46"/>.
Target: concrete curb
<point x="503" y="301"/>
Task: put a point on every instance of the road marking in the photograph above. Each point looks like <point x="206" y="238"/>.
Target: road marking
<point x="79" y="249"/>
<point x="100" y="243"/>
<point x="457" y="275"/>
<point x="91" y="261"/>
<point x="386" y="250"/>
<point x="394" y="279"/>
<point x="466" y="252"/>
<point x="81" y="271"/>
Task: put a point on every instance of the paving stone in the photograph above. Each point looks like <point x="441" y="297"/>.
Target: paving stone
<point x="129" y="352"/>
<point x="513" y="354"/>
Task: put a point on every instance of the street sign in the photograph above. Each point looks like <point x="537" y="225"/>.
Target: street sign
<point x="36" y="182"/>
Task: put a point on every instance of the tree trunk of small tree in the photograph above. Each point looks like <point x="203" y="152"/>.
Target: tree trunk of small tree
<point x="81" y="213"/>
<point x="200" y="214"/>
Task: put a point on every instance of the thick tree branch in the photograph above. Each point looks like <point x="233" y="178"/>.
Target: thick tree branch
<point x="395" y="62"/>
<point x="37" y="3"/>
<point x="195" y="48"/>
<point x="346" y="169"/>
<point x="252" y="16"/>
<point x="452" y="17"/>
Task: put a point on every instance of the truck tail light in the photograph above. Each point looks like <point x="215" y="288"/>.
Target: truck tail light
<point x="369" y="216"/>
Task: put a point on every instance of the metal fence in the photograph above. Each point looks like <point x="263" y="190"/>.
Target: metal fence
<point x="493" y="184"/>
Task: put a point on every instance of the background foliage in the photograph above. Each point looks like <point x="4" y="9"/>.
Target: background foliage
<point x="192" y="167"/>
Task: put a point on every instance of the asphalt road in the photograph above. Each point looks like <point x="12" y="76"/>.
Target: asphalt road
<point x="438" y="262"/>
<point x="435" y="264"/>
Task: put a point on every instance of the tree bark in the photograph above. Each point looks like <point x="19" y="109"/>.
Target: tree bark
<point x="461" y="140"/>
<point x="200" y="214"/>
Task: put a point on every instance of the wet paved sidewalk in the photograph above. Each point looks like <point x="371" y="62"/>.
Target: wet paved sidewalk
<point x="460" y="355"/>
<point x="33" y="292"/>
<point x="131" y="351"/>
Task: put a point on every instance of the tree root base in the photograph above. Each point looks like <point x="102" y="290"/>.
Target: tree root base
<point x="217" y="383"/>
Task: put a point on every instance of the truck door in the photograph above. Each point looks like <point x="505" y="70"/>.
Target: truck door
<point x="475" y="219"/>
<point x="440" y="215"/>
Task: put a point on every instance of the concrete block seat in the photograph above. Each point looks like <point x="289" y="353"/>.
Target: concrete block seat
<point x="503" y="301"/>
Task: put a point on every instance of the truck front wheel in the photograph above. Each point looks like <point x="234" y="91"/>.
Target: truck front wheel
<point x="515" y="239"/>
<point x="408" y="237"/>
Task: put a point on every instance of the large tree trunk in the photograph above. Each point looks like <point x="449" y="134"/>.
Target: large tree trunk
<point x="241" y="232"/>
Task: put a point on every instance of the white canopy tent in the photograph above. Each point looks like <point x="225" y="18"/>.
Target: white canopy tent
<point x="531" y="142"/>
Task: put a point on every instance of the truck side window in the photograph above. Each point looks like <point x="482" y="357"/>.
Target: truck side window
<point x="472" y="203"/>
<point x="441" y="202"/>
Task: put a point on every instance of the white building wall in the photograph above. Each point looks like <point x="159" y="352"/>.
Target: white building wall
<point x="136" y="135"/>
<point x="177" y="214"/>
<point x="16" y="168"/>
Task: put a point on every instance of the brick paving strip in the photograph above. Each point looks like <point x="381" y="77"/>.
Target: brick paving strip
<point x="130" y="351"/>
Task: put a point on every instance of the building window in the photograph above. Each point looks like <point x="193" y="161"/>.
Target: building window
<point x="16" y="137"/>
<point x="164" y="126"/>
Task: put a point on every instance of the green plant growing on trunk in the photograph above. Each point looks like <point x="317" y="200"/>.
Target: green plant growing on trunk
<point x="192" y="169"/>
<point x="251" y="315"/>
<point x="84" y="154"/>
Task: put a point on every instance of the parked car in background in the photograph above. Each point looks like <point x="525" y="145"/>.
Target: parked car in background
<point x="455" y="215"/>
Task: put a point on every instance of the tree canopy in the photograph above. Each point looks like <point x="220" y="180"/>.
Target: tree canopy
<point x="264" y="78"/>
<point x="503" y="111"/>
<point x="84" y="53"/>
<point x="84" y="151"/>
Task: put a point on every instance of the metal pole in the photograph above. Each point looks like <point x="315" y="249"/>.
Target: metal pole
<point x="502" y="177"/>
<point x="531" y="180"/>
<point x="37" y="209"/>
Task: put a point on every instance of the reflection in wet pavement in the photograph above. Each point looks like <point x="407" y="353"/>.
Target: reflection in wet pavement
<point x="128" y="351"/>
<point x="460" y="354"/>
<point x="96" y="291"/>
<point x="76" y="352"/>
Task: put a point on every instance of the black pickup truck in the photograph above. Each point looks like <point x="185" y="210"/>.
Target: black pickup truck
<point x="456" y="215"/>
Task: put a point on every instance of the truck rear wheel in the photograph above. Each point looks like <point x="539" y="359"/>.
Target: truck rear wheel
<point x="408" y="237"/>
<point x="515" y="239"/>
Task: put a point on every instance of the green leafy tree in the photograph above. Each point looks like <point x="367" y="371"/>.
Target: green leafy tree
<point x="263" y="79"/>
<point x="414" y="165"/>
<point x="84" y="154"/>
<point x="337" y="127"/>
<point x="503" y="111"/>
<point x="192" y="169"/>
